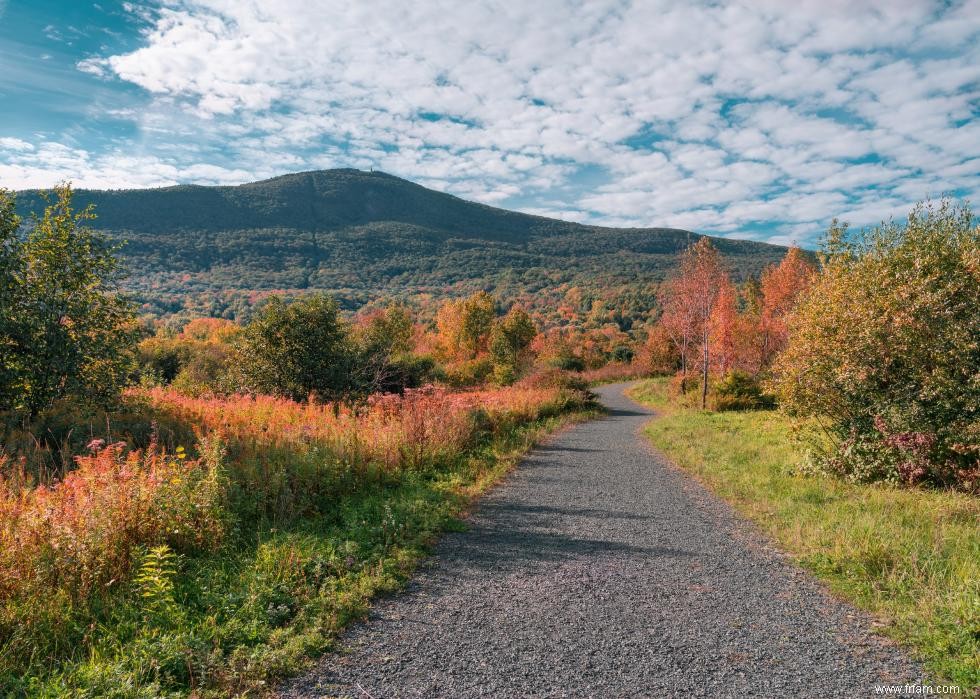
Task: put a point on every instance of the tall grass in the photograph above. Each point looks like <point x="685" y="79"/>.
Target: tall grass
<point x="910" y="556"/>
<point x="217" y="566"/>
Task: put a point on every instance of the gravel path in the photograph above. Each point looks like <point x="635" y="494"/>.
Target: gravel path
<point x="599" y="570"/>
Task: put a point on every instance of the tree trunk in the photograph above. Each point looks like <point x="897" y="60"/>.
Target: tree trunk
<point x="704" y="374"/>
<point x="683" y="373"/>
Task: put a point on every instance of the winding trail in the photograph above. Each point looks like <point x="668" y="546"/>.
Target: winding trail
<point x="599" y="570"/>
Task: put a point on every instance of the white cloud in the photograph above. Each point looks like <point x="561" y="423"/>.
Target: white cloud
<point x="715" y="116"/>
<point x="15" y="144"/>
<point x="53" y="162"/>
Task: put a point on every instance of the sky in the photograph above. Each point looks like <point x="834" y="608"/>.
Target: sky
<point x="760" y="120"/>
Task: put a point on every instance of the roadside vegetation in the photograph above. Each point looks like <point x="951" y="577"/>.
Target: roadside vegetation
<point x="154" y="572"/>
<point x="869" y="471"/>
<point x="911" y="556"/>
<point x="200" y="511"/>
<point x="875" y="350"/>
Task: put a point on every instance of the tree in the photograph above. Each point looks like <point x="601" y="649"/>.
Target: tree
<point x="690" y="300"/>
<point x="726" y="329"/>
<point x="678" y="323"/>
<point x="298" y="350"/>
<point x="658" y="355"/>
<point x="72" y="333"/>
<point x="464" y="325"/>
<point x="11" y="288"/>
<point x="383" y="339"/>
<point x="883" y="352"/>
<point x="780" y="288"/>
<point x="510" y="340"/>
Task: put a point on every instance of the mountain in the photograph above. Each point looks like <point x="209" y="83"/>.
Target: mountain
<point x="368" y="236"/>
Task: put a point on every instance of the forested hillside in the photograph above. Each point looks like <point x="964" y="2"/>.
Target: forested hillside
<point x="367" y="235"/>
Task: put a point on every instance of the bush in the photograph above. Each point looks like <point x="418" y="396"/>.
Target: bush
<point x="408" y="371"/>
<point x="510" y="340"/>
<point x="883" y="359"/>
<point x="739" y="390"/>
<point x="567" y="362"/>
<point x="554" y="378"/>
<point x="473" y="372"/>
<point x="623" y="354"/>
<point x="199" y="360"/>
<point x="67" y="547"/>
<point x="298" y="350"/>
<point x="47" y="445"/>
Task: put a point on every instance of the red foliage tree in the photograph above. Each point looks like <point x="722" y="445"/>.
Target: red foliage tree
<point x="690" y="300"/>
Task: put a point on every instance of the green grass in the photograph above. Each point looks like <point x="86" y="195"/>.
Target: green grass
<point x="234" y="623"/>
<point x="910" y="557"/>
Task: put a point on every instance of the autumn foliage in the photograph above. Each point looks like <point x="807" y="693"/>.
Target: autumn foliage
<point x="781" y="288"/>
<point x="68" y="545"/>
<point x="883" y="352"/>
<point x="709" y="328"/>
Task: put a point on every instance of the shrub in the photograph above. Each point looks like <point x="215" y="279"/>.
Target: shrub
<point x="555" y="378"/>
<point x="472" y="372"/>
<point x="612" y="372"/>
<point x="658" y="356"/>
<point x="292" y="458"/>
<point x="883" y="357"/>
<point x="567" y="362"/>
<point x="510" y="340"/>
<point x="622" y="353"/>
<point x="406" y="371"/>
<point x="201" y="359"/>
<point x="67" y="546"/>
<point x="298" y="350"/>
<point x="101" y="571"/>
<point x="739" y="390"/>
<point x="46" y="446"/>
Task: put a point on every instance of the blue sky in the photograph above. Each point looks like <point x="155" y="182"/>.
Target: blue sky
<point x="760" y="119"/>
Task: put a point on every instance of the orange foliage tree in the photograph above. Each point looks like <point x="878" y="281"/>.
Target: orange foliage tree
<point x="781" y="288"/>
<point x="464" y="325"/>
<point x="658" y="355"/>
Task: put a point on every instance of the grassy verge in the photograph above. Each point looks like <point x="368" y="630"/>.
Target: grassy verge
<point x="911" y="557"/>
<point x="234" y="622"/>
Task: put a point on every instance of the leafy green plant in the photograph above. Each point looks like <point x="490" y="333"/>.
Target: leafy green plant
<point x="154" y="583"/>
<point x="509" y="342"/>
<point x="298" y="349"/>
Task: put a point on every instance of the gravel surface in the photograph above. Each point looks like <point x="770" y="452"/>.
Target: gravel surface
<point x="599" y="570"/>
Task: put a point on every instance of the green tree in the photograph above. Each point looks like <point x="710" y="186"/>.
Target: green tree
<point x="298" y="350"/>
<point x="884" y="350"/>
<point x="11" y="288"/>
<point x="383" y="341"/>
<point x="509" y="342"/>
<point x="73" y="334"/>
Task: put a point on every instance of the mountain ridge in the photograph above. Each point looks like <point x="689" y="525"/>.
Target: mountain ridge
<point x="369" y="236"/>
<point x="324" y="187"/>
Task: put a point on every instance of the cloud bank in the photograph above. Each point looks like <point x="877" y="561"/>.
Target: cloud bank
<point x="761" y="119"/>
